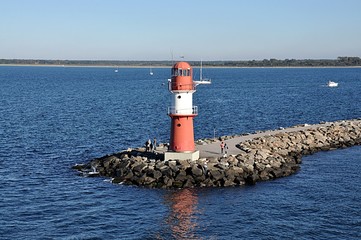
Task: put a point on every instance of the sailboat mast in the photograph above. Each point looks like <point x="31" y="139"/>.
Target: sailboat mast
<point x="200" y="72"/>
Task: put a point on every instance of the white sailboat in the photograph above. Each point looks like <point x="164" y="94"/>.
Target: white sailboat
<point x="150" y="72"/>
<point x="201" y="79"/>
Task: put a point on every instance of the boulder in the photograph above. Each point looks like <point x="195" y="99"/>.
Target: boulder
<point x="157" y="174"/>
<point x="181" y="176"/>
<point x="166" y="171"/>
<point x="184" y="164"/>
<point x="197" y="170"/>
<point x="138" y="167"/>
<point x="228" y="183"/>
<point x="168" y="182"/>
<point x="216" y="174"/>
<point x="252" y="179"/>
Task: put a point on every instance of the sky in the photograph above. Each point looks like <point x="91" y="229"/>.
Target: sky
<point x="165" y="29"/>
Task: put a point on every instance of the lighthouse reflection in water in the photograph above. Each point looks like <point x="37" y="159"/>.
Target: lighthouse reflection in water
<point x="182" y="219"/>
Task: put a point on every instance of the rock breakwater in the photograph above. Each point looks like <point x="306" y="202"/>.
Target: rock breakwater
<point x="259" y="159"/>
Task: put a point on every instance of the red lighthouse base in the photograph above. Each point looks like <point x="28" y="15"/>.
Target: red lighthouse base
<point x="182" y="139"/>
<point x="182" y="136"/>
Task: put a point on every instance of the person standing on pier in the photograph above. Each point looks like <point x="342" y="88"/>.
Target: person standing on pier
<point x="147" y="145"/>
<point x="154" y="144"/>
<point x="222" y="147"/>
<point x="225" y="150"/>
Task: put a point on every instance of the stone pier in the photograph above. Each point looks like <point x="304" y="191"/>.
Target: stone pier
<point x="251" y="158"/>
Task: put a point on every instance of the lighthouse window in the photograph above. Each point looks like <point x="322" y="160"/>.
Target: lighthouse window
<point x="176" y="72"/>
<point x="178" y="125"/>
<point x="187" y="72"/>
<point x="179" y="96"/>
<point x="181" y="72"/>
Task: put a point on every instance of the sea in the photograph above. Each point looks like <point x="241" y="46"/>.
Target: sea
<point x="52" y="118"/>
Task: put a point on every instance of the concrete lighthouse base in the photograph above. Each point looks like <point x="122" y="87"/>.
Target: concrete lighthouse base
<point x="181" y="155"/>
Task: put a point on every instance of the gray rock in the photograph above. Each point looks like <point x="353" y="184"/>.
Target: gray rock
<point x="157" y="174"/>
<point x="184" y="164"/>
<point x="197" y="170"/>
<point x="181" y="176"/>
<point x="216" y="174"/>
<point x="166" y="171"/>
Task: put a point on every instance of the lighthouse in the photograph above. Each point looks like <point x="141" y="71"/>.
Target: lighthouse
<point x="182" y="111"/>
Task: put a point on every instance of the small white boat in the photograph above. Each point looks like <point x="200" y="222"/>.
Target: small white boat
<point x="332" y="84"/>
<point x="150" y="72"/>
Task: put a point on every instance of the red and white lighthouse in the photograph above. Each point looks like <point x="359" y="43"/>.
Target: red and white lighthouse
<point x="182" y="112"/>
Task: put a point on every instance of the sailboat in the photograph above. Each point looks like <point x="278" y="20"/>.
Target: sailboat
<point x="150" y="72"/>
<point x="201" y="79"/>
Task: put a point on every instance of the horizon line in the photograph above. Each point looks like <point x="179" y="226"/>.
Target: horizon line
<point x="170" y="60"/>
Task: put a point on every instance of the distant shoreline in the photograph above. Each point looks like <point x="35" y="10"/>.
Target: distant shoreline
<point x="164" y="66"/>
<point x="340" y="62"/>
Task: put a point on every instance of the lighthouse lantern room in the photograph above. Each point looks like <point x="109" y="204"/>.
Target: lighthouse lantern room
<point x="182" y="112"/>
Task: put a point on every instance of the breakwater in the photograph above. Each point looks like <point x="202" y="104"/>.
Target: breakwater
<point x="259" y="159"/>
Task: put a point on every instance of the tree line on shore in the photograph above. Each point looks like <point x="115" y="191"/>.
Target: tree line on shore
<point x="339" y="62"/>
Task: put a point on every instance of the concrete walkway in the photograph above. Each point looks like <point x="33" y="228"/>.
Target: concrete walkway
<point x="214" y="149"/>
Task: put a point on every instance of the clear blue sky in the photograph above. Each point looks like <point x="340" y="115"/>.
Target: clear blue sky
<point x="197" y="29"/>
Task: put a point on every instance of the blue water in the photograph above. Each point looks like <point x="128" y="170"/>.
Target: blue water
<point x="53" y="117"/>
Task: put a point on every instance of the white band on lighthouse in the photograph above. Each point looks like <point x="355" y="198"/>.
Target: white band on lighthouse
<point x="182" y="103"/>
